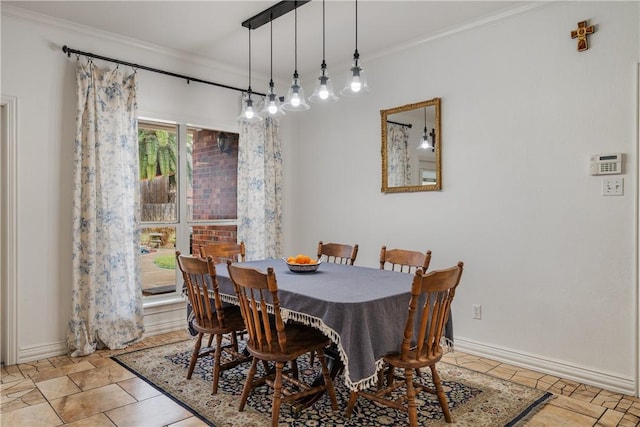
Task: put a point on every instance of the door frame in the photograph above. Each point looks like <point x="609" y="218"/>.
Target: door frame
<point x="8" y="229"/>
<point x="637" y="225"/>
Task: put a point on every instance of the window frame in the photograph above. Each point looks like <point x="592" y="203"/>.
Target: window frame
<point x="183" y="226"/>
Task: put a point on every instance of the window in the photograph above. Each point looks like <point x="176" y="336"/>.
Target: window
<point x="188" y="192"/>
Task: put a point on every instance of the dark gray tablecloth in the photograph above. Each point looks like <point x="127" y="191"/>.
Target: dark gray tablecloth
<point x="362" y="310"/>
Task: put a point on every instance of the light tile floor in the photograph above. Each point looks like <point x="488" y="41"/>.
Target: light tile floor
<point x="96" y="391"/>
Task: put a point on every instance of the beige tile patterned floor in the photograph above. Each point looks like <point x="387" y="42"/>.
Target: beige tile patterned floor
<point x="96" y="391"/>
<point x="575" y="404"/>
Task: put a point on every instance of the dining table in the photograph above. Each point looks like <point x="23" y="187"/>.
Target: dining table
<point x="362" y="310"/>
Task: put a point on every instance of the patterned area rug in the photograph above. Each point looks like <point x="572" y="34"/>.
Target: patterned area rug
<point x="475" y="399"/>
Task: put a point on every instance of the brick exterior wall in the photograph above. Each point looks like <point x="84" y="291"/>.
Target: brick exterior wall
<point x="215" y="188"/>
<point x="215" y="183"/>
<point x="204" y="234"/>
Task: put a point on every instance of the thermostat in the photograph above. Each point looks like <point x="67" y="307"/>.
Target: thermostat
<point x="606" y="164"/>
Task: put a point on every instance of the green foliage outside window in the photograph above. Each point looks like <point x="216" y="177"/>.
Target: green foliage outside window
<point x="157" y="151"/>
<point x="165" y="261"/>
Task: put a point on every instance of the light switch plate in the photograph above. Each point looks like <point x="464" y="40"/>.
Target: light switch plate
<point x="477" y="311"/>
<point x="612" y="186"/>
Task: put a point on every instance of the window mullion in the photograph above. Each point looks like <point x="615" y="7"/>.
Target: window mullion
<point x="183" y="231"/>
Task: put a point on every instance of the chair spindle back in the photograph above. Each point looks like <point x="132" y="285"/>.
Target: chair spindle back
<point x="404" y="260"/>
<point x="223" y="251"/>
<point x="200" y="278"/>
<point x="255" y="290"/>
<point x="423" y="334"/>
<point x="338" y="253"/>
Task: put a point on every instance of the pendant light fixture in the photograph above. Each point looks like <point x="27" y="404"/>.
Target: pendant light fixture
<point x="424" y="141"/>
<point x="356" y="79"/>
<point x="433" y="140"/>
<point x="272" y="107"/>
<point x="248" y="112"/>
<point x="295" y="96"/>
<point x="323" y="92"/>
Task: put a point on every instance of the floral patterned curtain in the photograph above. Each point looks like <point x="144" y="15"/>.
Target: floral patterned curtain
<point x="260" y="187"/>
<point x="398" y="159"/>
<point x="106" y="294"/>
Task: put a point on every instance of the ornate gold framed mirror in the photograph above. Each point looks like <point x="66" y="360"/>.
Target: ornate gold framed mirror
<point x="411" y="147"/>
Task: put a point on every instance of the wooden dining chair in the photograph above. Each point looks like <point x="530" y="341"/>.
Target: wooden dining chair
<point x="222" y="251"/>
<point x="404" y="260"/>
<point x="200" y="278"/>
<point x="271" y="340"/>
<point x="420" y="344"/>
<point x="338" y="253"/>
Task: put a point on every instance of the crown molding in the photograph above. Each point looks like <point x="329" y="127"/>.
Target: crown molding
<point x="459" y="29"/>
<point x="57" y="23"/>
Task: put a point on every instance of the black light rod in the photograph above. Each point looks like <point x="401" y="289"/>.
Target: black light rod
<point x="275" y="11"/>
<point x="189" y="79"/>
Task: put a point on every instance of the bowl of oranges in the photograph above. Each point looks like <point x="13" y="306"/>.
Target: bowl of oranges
<point x="302" y="263"/>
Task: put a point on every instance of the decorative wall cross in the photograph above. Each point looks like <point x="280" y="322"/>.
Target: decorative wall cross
<point x="581" y="34"/>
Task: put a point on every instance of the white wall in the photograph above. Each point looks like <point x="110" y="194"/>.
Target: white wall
<point x="35" y="70"/>
<point x="551" y="261"/>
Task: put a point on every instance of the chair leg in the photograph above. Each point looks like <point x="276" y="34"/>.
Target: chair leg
<point x="277" y="395"/>
<point x="327" y="380"/>
<point x="390" y="375"/>
<point x="210" y="340"/>
<point x="381" y="375"/>
<point x="234" y="341"/>
<point x="216" y="363"/>
<point x="412" y="406"/>
<point x="294" y="369"/>
<point x="353" y="397"/>
<point x="440" y="392"/>
<point x="194" y="356"/>
<point x="248" y="385"/>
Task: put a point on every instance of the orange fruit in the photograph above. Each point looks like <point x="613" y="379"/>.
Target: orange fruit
<point x="291" y="260"/>
<point x="300" y="259"/>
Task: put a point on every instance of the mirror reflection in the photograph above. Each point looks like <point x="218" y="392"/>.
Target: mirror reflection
<point x="411" y="147"/>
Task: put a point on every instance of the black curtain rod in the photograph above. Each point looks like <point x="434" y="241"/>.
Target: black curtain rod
<point x="69" y="51"/>
<point x="401" y="124"/>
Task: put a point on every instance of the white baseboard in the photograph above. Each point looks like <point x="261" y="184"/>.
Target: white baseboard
<point x="164" y="327"/>
<point x="556" y="368"/>
<point x="157" y="320"/>
<point x="169" y="317"/>
<point x="38" y="352"/>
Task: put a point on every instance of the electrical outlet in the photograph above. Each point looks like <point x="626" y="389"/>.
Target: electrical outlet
<point x="477" y="311"/>
<point x="612" y="186"/>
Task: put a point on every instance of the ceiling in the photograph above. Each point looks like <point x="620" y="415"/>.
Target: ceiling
<point x="213" y="30"/>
